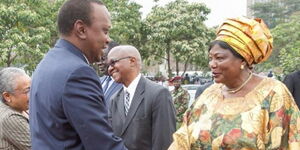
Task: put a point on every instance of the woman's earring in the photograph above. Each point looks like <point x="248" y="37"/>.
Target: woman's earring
<point x="242" y="67"/>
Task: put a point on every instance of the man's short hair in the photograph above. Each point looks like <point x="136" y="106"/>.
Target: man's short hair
<point x="73" y="10"/>
<point x="8" y="77"/>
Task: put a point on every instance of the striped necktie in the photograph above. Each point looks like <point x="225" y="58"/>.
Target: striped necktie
<point x="126" y="103"/>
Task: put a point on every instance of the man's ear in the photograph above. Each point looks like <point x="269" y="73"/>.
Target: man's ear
<point x="80" y="29"/>
<point x="133" y="61"/>
<point x="6" y="97"/>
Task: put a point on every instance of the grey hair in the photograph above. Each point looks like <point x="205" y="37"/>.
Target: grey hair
<point x="8" y="78"/>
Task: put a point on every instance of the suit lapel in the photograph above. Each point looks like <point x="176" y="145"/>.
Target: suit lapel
<point x="120" y="104"/>
<point x="136" y="101"/>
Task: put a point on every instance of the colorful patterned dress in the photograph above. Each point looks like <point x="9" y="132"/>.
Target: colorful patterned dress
<point x="181" y="99"/>
<point x="266" y="118"/>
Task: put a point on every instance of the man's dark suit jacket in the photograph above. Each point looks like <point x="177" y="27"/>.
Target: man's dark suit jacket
<point x="292" y="81"/>
<point x="150" y="121"/>
<point x="201" y="89"/>
<point x="66" y="104"/>
<point x="111" y="90"/>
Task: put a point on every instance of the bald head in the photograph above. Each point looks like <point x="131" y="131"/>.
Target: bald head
<point x="124" y="64"/>
<point x="127" y="50"/>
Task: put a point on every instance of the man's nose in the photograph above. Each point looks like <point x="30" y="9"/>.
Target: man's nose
<point x="108" y="40"/>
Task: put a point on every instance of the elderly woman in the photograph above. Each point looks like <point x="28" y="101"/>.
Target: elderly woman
<point x="241" y="110"/>
<point x="14" y="126"/>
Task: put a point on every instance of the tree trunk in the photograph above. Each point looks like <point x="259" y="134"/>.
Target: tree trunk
<point x="8" y="61"/>
<point x="177" y="67"/>
<point x="168" y="60"/>
<point x="185" y="66"/>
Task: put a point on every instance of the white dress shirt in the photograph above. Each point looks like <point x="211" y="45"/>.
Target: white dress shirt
<point x="131" y="88"/>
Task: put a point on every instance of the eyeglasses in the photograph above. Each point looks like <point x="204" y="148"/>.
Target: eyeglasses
<point x="21" y="91"/>
<point x="114" y="61"/>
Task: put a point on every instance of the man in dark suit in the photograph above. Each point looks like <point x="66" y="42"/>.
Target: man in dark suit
<point x="292" y="81"/>
<point x="109" y="86"/>
<point x="67" y="110"/>
<point x="142" y="113"/>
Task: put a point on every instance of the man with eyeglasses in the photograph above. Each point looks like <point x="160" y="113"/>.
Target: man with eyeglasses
<point x="142" y="112"/>
<point x="109" y="86"/>
<point x="14" y="126"/>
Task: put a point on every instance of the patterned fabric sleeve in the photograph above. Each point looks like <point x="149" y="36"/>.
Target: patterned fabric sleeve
<point x="284" y="123"/>
<point x="182" y="138"/>
<point x="294" y="131"/>
<point x="16" y="131"/>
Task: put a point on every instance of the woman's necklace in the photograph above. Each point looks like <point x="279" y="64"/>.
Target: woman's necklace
<point x="232" y="91"/>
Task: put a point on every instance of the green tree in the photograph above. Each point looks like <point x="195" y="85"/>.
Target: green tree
<point x="177" y="30"/>
<point x="127" y="25"/>
<point x="27" y="30"/>
<point x="286" y="47"/>
<point x="287" y="40"/>
<point x="275" y="12"/>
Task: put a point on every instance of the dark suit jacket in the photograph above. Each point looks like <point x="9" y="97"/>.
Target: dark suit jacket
<point x="67" y="110"/>
<point x="150" y="121"/>
<point x="292" y="81"/>
<point x="201" y="89"/>
<point x="110" y="90"/>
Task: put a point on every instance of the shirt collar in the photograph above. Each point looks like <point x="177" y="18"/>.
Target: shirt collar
<point x="86" y="59"/>
<point x="132" y="86"/>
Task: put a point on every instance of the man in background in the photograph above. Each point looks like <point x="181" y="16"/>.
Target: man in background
<point x="181" y="99"/>
<point x="67" y="108"/>
<point x="142" y="112"/>
<point x="109" y="86"/>
<point x="292" y="81"/>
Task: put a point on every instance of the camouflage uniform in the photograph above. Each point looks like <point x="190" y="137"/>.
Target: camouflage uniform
<point x="181" y="99"/>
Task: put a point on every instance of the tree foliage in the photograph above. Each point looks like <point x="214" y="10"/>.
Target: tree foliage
<point x="285" y="30"/>
<point x="27" y="30"/>
<point x="287" y="40"/>
<point x="275" y="12"/>
<point x="177" y="30"/>
<point x="285" y="57"/>
<point x="127" y="25"/>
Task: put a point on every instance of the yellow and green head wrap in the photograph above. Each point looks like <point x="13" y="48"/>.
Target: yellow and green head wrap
<point x="251" y="38"/>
